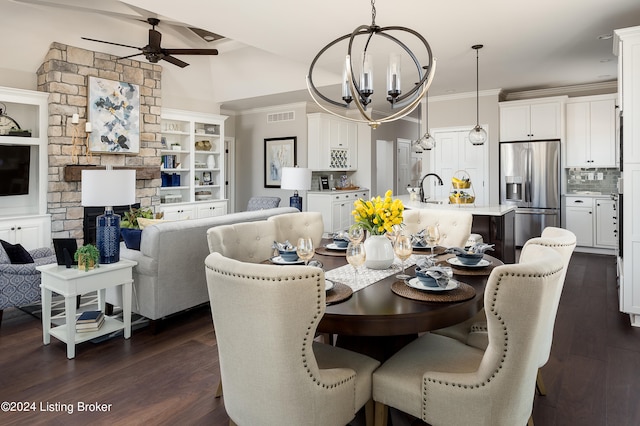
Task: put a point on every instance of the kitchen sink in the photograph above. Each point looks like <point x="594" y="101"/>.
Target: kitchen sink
<point x="434" y="201"/>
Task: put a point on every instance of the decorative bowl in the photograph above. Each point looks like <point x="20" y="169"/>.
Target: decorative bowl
<point x="426" y="279"/>
<point x="460" y="200"/>
<point x="461" y="185"/>
<point x="470" y="258"/>
<point x="288" y="255"/>
<point x="340" y="243"/>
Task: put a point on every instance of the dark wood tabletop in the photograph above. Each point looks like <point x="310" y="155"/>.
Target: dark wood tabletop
<point x="392" y="320"/>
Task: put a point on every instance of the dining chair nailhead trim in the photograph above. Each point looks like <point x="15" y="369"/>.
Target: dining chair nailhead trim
<point x="504" y="351"/>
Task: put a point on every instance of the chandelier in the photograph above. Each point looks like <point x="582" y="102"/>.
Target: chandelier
<point x="477" y="135"/>
<point x="360" y="91"/>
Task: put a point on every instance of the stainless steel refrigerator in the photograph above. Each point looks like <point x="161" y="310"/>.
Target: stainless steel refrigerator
<point x="530" y="181"/>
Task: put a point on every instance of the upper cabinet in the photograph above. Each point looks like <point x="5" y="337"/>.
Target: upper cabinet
<point x="192" y="166"/>
<point x="591" y="129"/>
<point x="533" y="119"/>
<point x="332" y="143"/>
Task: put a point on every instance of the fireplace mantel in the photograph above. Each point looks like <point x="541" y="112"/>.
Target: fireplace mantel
<point x="73" y="173"/>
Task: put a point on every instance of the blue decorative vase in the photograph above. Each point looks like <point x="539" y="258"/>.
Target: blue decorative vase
<point x="131" y="237"/>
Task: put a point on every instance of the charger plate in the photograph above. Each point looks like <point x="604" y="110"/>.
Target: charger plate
<point x="463" y="292"/>
<point x="326" y="252"/>
<point x="339" y="293"/>
<point x="461" y="270"/>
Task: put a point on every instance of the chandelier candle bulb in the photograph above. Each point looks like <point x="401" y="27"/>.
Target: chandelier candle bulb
<point x="393" y="76"/>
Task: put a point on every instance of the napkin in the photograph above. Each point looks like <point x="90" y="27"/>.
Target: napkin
<point x="341" y="235"/>
<point x="439" y="273"/>
<point x="418" y="240"/>
<point x="286" y="246"/>
<point x="476" y="248"/>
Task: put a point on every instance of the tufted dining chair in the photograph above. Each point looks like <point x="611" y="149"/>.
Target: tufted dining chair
<point x="273" y="371"/>
<point x="291" y="226"/>
<point x="262" y="203"/>
<point x="474" y="331"/>
<point x="446" y="382"/>
<point x="454" y="226"/>
<point x="243" y="241"/>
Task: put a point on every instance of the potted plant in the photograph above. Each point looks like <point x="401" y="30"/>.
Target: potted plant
<point x="130" y="229"/>
<point x="87" y="257"/>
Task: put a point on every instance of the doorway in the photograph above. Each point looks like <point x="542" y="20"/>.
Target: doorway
<point x="384" y="167"/>
<point x="403" y="166"/>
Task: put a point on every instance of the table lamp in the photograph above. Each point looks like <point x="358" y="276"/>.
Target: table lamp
<point x="108" y="188"/>
<point x="298" y="179"/>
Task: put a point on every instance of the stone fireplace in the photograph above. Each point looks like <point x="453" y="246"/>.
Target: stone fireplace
<point x="64" y="75"/>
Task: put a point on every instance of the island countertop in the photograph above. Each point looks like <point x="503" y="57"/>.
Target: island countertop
<point x="491" y="210"/>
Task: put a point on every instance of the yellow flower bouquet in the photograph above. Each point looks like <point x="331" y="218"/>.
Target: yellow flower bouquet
<point x="378" y="215"/>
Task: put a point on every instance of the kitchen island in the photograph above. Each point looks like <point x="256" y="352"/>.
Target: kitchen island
<point x="496" y="223"/>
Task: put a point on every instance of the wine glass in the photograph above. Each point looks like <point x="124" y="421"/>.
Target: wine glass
<point x="392" y="235"/>
<point x="432" y="237"/>
<point x="305" y="249"/>
<point x="356" y="234"/>
<point x="403" y="248"/>
<point x="356" y="257"/>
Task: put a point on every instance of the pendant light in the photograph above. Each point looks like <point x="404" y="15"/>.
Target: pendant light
<point x="427" y="142"/>
<point x="477" y="135"/>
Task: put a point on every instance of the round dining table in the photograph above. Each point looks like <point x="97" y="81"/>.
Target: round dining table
<point x="378" y="322"/>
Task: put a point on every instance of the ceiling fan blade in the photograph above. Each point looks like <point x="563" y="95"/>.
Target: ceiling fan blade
<point x="190" y="51"/>
<point x="154" y="40"/>
<point x="130" y="56"/>
<point x="175" y="61"/>
<point x="109" y="42"/>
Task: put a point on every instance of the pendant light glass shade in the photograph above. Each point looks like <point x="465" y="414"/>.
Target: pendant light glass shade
<point x="477" y="135"/>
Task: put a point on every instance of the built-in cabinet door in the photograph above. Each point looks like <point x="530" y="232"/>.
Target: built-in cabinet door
<point x="515" y="123"/>
<point x="577" y="151"/>
<point x="603" y="133"/>
<point x="545" y="121"/>
<point x="579" y="220"/>
<point x="591" y="130"/>
<point x="30" y="233"/>
<point x="181" y="212"/>
<point x="605" y="223"/>
<point x="211" y="209"/>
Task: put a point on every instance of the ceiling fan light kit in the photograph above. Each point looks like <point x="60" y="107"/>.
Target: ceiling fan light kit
<point x="360" y="90"/>
<point x="153" y="51"/>
<point x="477" y="135"/>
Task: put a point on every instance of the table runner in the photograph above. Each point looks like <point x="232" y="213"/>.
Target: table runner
<point x="366" y="276"/>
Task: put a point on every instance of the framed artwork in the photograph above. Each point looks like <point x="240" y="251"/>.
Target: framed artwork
<point x="278" y="153"/>
<point x="114" y="114"/>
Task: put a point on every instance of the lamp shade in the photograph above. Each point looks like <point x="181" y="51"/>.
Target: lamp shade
<point x="296" y="178"/>
<point x="108" y="187"/>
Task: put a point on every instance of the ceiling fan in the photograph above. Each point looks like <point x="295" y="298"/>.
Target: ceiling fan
<point x="154" y="52"/>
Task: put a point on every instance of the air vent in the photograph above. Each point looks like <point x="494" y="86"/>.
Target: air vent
<point x="281" y="116"/>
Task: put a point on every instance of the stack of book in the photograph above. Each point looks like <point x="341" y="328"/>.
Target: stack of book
<point x="89" y="321"/>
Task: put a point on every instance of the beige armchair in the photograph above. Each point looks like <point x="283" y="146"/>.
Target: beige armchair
<point x="446" y="382"/>
<point x="474" y="331"/>
<point x="292" y="226"/>
<point x="273" y="372"/>
<point x="454" y="226"/>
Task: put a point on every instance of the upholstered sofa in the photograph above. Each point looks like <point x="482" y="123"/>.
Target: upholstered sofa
<point x="170" y="274"/>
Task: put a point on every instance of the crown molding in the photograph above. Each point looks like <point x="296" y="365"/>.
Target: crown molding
<point x="273" y="108"/>
<point x="606" y="86"/>
<point x="465" y="95"/>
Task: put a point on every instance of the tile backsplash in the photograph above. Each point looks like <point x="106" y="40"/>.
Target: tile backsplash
<point x="579" y="179"/>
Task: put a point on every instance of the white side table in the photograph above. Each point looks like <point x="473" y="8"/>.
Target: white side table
<point x="72" y="282"/>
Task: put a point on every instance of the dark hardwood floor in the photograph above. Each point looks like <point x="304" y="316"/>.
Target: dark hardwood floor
<point x="592" y="378"/>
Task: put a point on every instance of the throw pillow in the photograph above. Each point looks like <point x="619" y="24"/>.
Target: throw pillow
<point x="142" y="222"/>
<point x="17" y="254"/>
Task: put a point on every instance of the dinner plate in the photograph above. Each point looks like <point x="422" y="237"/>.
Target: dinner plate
<point x="328" y="285"/>
<point x="278" y="260"/>
<point x="334" y="246"/>
<point x="417" y="284"/>
<point x="456" y="262"/>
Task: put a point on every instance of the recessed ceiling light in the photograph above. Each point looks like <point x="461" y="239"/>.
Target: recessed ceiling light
<point x="605" y="36"/>
<point x="450" y="91"/>
<point x="605" y="60"/>
<point x="605" y="76"/>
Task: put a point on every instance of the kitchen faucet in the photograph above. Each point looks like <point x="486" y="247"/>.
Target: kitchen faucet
<point x="422" y="199"/>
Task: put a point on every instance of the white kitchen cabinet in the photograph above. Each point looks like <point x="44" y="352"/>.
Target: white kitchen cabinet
<point x="332" y="143"/>
<point x="579" y="219"/>
<point x="31" y="232"/>
<point x="627" y="48"/>
<point x="591" y="129"/>
<point x="538" y="119"/>
<point x="335" y="206"/>
<point x="193" y="161"/>
<point x="605" y="223"/>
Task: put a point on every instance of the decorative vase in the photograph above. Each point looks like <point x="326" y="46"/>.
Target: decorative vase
<point x="379" y="252"/>
<point x="131" y="237"/>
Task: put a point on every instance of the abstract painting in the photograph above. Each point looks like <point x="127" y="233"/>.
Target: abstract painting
<point x="114" y="114"/>
<point x="278" y="153"/>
